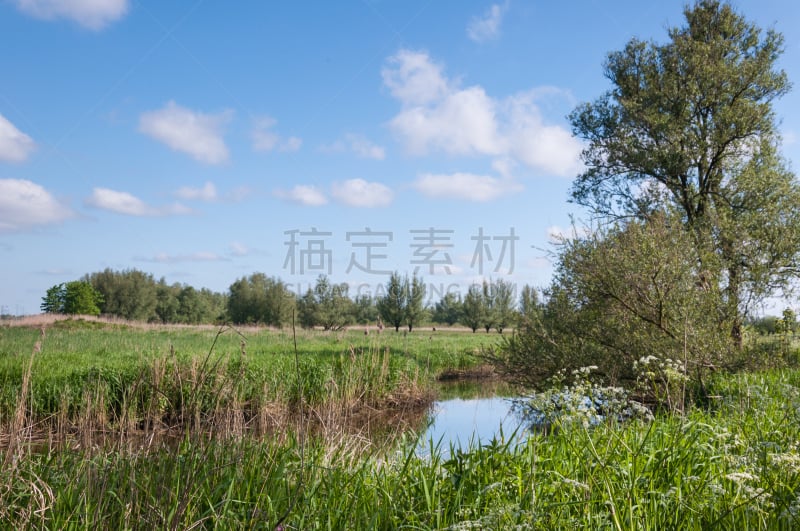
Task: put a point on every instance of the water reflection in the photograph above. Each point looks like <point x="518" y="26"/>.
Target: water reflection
<point x="470" y="414"/>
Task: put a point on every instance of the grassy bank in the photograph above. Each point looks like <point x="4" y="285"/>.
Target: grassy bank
<point x="734" y="466"/>
<point x="86" y="375"/>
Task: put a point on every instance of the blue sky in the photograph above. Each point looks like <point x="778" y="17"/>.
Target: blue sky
<point x="195" y="139"/>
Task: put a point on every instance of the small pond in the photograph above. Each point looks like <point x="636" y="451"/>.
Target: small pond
<point x="471" y="414"/>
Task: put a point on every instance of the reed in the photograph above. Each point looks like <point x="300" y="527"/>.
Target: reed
<point x="730" y="464"/>
<point x="734" y="467"/>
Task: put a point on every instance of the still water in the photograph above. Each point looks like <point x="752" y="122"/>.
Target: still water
<point x="468" y="420"/>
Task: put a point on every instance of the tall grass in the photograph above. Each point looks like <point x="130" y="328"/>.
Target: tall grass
<point x="734" y="466"/>
<point x="90" y="376"/>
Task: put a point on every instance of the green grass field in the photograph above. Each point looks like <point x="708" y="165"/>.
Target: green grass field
<point x="112" y="376"/>
<point x="734" y="467"/>
<point x="730" y="464"/>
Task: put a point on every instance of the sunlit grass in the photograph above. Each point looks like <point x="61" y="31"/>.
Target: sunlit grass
<point x="730" y="463"/>
<point x="113" y="377"/>
<point x="734" y="467"/>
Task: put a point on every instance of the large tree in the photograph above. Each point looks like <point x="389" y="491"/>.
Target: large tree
<point x="473" y="308"/>
<point x="130" y="294"/>
<point x="503" y="295"/>
<point x="73" y="298"/>
<point x="260" y="299"/>
<point x="327" y="305"/>
<point x="689" y="126"/>
<point x="415" y="302"/>
<point x="392" y="305"/>
<point x="403" y="303"/>
<point x="448" y="309"/>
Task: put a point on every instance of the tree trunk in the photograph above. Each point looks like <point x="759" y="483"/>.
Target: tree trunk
<point x="733" y="307"/>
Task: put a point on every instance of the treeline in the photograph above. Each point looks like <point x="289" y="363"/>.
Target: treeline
<point x="134" y="295"/>
<point x="262" y="300"/>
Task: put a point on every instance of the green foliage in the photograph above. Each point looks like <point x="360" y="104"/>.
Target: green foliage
<point x="689" y="126"/>
<point x="327" y="305"/>
<point x="700" y="217"/>
<point x="503" y="308"/>
<point x="129" y="294"/>
<point x="415" y="302"/>
<point x="81" y="298"/>
<point x="135" y="295"/>
<point x="53" y="301"/>
<point x="619" y="295"/>
<point x="529" y="305"/>
<point x="448" y="310"/>
<point x="765" y="325"/>
<point x="392" y="305"/>
<point x="365" y="309"/>
<point x="787" y="324"/>
<point x="87" y="366"/>
<point x="474" y="309"/>
<point x="404" y="302"/>
<point x="488" y="302"/>
<point x="72" y="298"/>
<point x="167" y="304"/>
<point x="260" y="299"/>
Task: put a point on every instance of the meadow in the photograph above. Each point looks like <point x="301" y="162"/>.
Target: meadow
<point x="733" y="463"/>
<point x="93" y="376"/>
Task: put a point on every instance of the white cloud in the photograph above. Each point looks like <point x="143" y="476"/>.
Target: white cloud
<point x="360" y="193"/>
<point x="467" y="121"/>
<point x="128" y="204"/>
<point x="504" y="166"/>
<point x="197" y="134"/>
<point x="92" y="14"/>
<point x="357" y="144"/>
<point x="364" y="148"/>
<point x="464" y="122"/>
<point x="15" y="146"/>
<point x="550" y="148"/>
<point x="467" y="186"/>
<point x="164" y="258"/>
<point x="238" y="249"/>
<point x="25" y="204"/>
<point x="265" y="139"/>
<point x="414" y="79"/>
<point x="487" y="27"/>
<point x="306" y="195"/>
<point x="207" y="193"/>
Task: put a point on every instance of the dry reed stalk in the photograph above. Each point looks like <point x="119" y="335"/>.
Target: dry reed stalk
<point x="18" y="423"/>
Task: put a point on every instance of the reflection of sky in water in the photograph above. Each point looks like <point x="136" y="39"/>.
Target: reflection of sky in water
<point x="469" y="422"/>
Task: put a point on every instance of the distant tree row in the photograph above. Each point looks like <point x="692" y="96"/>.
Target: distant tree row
<point x="259" y="299"/>
<point x="770" y="324"/>
<point x="137" y="296"/>
<point x="491" y="305"/>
